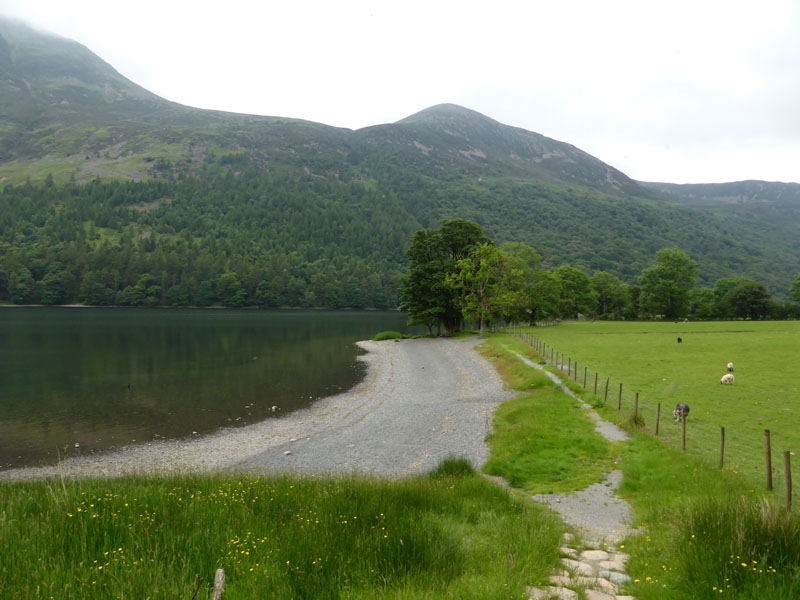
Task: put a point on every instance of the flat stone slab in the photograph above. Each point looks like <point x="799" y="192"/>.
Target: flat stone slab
<point x="594" y="555"/>
<point x="611" y="565"/>
<point x="615" y="577"/>
<point x="595" y="595"/>
<point x="579" y="567"/>
<point x="551" y="592"/>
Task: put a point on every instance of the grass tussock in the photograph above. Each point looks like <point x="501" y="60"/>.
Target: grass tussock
<point x="450" y="534"/>
<point x="746" y="547"/>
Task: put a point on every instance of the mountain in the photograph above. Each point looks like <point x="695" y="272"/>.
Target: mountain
<point x="107" y="186"/>
<point x="65" y="107"/>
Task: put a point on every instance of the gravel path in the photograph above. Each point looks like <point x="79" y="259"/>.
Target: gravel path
<point x="421" y="401"/>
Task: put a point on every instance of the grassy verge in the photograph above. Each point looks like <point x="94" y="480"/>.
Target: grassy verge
<point x="543" y="441"/>
<point x="450" y="534"/>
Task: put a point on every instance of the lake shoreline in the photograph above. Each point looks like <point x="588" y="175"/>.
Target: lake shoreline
<point x="401" y="419"/>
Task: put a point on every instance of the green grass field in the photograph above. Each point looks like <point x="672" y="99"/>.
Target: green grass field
<point x="646" y="358"/>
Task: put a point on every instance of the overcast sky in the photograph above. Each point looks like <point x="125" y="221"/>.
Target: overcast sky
<point x="682" y="91"/>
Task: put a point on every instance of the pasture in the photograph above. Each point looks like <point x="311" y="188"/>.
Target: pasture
<point x="647" y="358"/>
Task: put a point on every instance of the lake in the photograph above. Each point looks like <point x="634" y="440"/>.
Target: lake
<point x="82" y="380"/>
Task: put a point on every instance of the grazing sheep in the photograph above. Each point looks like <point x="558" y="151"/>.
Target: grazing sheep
<point x="681" y="411"/>
<point x="730" y="367"/>
<point x="727" y="378"/>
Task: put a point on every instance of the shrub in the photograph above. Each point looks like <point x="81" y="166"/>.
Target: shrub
<point x="388" y="335"/>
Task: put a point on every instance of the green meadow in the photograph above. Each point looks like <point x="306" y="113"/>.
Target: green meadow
<point x="647" y="358"/>
<point x="700" y="532"/>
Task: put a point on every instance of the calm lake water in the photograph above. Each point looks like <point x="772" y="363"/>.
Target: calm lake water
<point x="103" y="378"/>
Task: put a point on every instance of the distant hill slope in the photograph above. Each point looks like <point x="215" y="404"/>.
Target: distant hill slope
<point x="293" y="198"/>
<point x="765" y="200"/>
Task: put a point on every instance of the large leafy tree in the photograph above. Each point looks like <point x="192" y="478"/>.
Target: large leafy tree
<point x="666" y="285"/>
<point x="613" y="296"/>
<point x="540" y="290"/>
<point x="577" y="296"/>
<point x="794" y="291"/>
<point x="487" y="284"/>
<point x="745" y="299"/>
<point x="432" y="256"/>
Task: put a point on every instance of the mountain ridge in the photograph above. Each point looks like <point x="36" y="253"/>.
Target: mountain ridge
<point x="287" y="191"/>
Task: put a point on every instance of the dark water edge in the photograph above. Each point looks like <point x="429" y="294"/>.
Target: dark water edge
<point x="85" y="380"/>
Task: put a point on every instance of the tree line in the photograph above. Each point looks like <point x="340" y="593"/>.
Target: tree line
<point x="218" y="240"/>
<point x="457" y="274"/>
<point x="280" y="239"/>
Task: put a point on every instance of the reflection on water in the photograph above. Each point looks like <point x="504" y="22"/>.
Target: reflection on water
<point x="101" y="378"/>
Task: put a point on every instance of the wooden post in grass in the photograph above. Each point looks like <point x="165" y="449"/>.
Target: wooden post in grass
<point x="570" y="367"/>
<point x="585" y="371"/>
<point x="768" y="457"/>
<point x="605" y="397"/>
<point x="595" y="383"/>
<point x="636" y="409"/>
<point x="787" y="468"/>
<point x="619" y="404"/>
<point x="658" y="416"/>
<point x="575" y="374"/>
<point x="219" y="585"/>
<point x="683" y="435"/>
<point x="721" y="447"/>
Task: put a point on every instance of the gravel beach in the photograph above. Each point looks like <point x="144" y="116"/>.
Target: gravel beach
<point x="421" y="401"/>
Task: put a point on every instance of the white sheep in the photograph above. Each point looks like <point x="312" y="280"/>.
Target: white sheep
<point x="730" y="367"/>
<point x="727" y="378"/>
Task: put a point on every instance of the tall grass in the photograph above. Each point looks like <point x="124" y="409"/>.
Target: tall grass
<point x="704" y="533"/>
<point x="449" y="534"/>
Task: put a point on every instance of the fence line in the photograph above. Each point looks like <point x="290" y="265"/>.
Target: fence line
<point x="735" y="446"/>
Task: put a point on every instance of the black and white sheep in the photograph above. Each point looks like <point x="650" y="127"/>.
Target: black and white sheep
<point x="681" y="411"/>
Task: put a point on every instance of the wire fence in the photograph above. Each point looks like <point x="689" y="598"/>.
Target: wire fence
<point x="763" y="460"/>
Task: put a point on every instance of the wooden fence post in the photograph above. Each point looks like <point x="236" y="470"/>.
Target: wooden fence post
<point x="636" y="409"/>
<point x="619" y="404"/>
<point x="768" y="456"/>
<point x="585" y="371"/>
<point x="683" y="435"/>
<point x="219" y="585"/>
<point x="787" y="468"/>
<point x="721" y="447"/>
<point x="570" y="367"/>
<point x="605" y="397"/>
<point x="595" y="383"/>
<point x="658" y="416"/>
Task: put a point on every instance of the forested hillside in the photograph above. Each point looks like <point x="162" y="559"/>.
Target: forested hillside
<point x="112" y="195"/>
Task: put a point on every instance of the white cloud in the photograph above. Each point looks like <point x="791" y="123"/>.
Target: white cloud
<point x="680" y="91"/>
